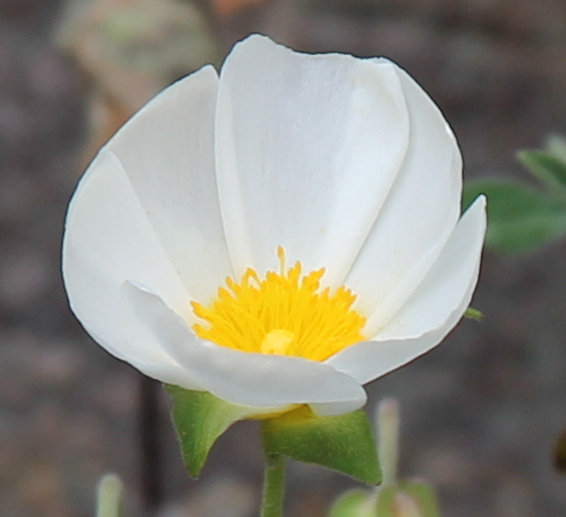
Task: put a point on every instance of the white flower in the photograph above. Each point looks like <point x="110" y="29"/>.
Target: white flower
<point x="342" y="164"/>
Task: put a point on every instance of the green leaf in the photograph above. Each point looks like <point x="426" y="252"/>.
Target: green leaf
<point x="344" y="443"/>
<point x="407" y="499"/>
<point x="473" y="314"/>
<point x="200" y="418"/>
<point x="520" y="218"/>
<point x="550" y="169"/>
<point x="354" y="503"/>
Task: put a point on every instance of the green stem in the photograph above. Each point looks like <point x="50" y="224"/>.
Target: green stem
<point x="272" y="502"/>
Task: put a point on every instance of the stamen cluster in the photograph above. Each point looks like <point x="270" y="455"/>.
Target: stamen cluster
<point x="285" y="313"/>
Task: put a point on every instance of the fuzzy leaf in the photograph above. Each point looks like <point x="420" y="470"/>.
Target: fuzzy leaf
<point x="344" y="443"/>
<point x="200" y="418"/>
<point x="520" y="218"/>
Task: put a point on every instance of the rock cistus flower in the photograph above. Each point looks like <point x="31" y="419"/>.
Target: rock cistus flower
<point x="278" y="234"/>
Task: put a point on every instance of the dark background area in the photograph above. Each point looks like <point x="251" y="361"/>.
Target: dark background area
<point x="480" y="413"/>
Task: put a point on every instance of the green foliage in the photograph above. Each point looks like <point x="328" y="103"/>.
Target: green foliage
<point x="344" y="443"/>
<point x="549" y="169"/>
<point x="200" y="418"/>
<point x="522" y="218"/>
<point x="473" y="314"/>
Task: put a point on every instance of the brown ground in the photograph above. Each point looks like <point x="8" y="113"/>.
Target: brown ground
<point x="481" y="412"/>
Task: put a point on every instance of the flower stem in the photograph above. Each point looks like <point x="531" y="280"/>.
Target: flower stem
<point x="272" y="502"/>
<point x="388" y="439"/>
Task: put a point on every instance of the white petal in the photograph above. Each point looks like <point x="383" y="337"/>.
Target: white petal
<point x="417" y="218"/>
<point x="167" y="151"/>
<point x="107" y="239"/>
<point x="307" y="149"/>
<point x="264" y="381"/>
<point x="169" y="373"/>
<point x="433" y="310"/>
<point x="449" y="282"/>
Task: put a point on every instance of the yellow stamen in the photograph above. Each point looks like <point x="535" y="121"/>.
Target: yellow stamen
<point x="285" y="313"/>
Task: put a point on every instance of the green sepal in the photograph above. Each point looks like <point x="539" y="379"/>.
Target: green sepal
<point x="200" y="418"/>
<point x="520" y="218"/>
<point x="354" y="503"/>
<point x="344" y="443"/>
<point x="421" y="495"/>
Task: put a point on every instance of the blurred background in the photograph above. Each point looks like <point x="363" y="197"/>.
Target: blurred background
<point x="481" y="413"/>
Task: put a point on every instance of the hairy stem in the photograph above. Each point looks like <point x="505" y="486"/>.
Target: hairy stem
<point x="272" y="502"/>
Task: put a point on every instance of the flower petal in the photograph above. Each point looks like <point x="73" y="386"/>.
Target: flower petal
<point x="108" y="238"/>
<point x="432" y="311"/>
<point x="307" y="149"/>
<point x="418" y="217"/>
<point x="167" y="151"/>
<point x="446" y="286"/>
<point x="256" y="380"/>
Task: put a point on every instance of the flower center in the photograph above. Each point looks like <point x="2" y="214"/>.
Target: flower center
<point x="284" y="313"/>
